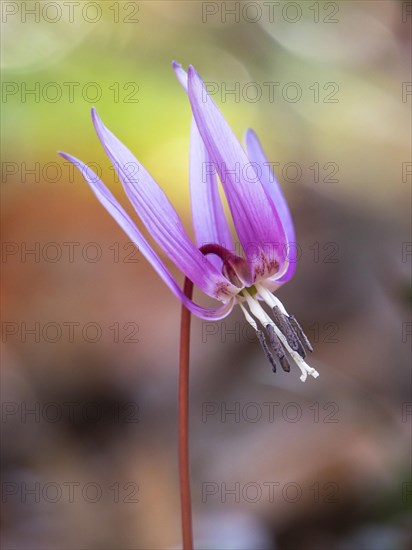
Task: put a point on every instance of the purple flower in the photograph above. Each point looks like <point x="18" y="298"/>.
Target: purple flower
<point x="260" y="214"/>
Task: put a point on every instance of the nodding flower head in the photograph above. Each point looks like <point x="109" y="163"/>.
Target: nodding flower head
<point x="260" y="215"/>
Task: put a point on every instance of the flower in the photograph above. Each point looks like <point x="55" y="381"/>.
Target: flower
<point x="260" y="214"/>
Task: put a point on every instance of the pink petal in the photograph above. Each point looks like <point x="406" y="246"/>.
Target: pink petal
<point x="209" y="220"/>
<point x="256" y="220"/>
<point x="123" y="219"/>
<point x="273" y="189"/>
<point x="160" y="218"/>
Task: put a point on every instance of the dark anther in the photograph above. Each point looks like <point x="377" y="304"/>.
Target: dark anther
<point x="285" y="326"/>
<point x="277" y="348"/>
<point x="261" y="338"/>
<point x="301" y="335"/>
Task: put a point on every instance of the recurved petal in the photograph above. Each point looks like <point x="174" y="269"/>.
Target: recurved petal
<point x="209" y="219"/>
<point x="106" y="198"/>
<point x="273" y="189"/>
<point x="181" y="74"/>
<point x="160" y="218"/>
<point x="208" y="216"/>
<point x="256" y="220"/>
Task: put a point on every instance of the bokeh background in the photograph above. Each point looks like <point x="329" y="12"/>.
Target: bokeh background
<point x="90" y="334"/>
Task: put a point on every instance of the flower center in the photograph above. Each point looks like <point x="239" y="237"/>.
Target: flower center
<point x="235" y="268"/>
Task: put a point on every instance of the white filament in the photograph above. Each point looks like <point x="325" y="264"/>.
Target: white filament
<point x="270" y="299"/>
<point x="248" y="317"/>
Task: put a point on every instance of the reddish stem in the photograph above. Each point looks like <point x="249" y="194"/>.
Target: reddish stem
<point x="183" y="406"/>
<point x="184" y="470"/>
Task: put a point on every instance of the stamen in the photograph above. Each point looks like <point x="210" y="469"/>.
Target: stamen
<point x="285" y="326"/>
<point x="256" y="309"/>
<point x="294" y="327"/>
<point x="301" y="335"/>
<point x="266" y="295"/>
<point x="261" y="337"/>
<point x="266" y="349"/>
<point x="277" y="347"/>
<point x="304" y="367"/>
<point x="249" y="319"/>
<point x="280" y="305"/>
<point x="270" y="299"/>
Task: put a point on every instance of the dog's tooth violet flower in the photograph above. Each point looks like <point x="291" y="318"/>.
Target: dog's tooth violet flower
<point x="260" y="214"/>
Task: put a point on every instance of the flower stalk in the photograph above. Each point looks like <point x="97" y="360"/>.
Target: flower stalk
<point x="183" y="414"/>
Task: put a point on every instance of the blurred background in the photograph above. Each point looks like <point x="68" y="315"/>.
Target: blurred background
<point x="90" y="333"/>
